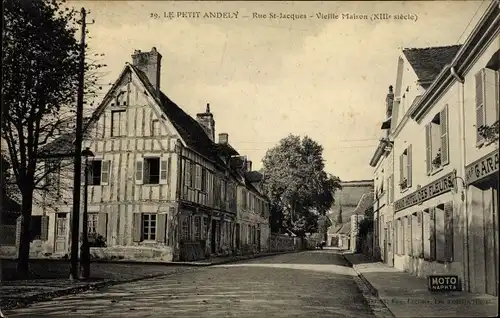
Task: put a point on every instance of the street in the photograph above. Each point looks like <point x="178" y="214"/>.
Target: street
<point x="307" y="284"/>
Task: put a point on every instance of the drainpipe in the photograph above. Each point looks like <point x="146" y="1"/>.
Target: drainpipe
<point x="462" y="173"/>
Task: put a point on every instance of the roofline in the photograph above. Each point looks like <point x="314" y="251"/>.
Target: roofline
<point x="378" y="153"/>
<point x="465" y="57"/>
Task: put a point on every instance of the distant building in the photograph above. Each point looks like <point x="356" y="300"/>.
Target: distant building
<point x="347" y="201"/>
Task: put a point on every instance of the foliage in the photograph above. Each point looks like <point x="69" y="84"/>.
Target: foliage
<point x="40" y="79"/>
<point x="490" y="133"/>
<point x="436" y="162"/>
<point x="365" y="227"/>
<point x="339" y="217"/>
<point x="96" y="240"/>
<point x="297" y="185"/>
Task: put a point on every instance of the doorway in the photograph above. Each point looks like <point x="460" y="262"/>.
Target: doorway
<point x="61" y="235"/>
<point x="213" y="236"/>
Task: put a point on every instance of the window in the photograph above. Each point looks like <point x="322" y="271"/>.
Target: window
<point x="117" y="123"/>
<point x="151" y="170"/>
<point x="198" y="179"/>
<point x="390" y="189"/>
<point x="437" y="149"/>
<point x="487" y="100"/>
<point x="197" y="228"/>
<point x="149" y="227"/>
<point x="155" y="128"/>
<point x="204" y="180"/>
<point x="416" y="229"/>
<point x="52" y="172"/>
<point x="92" y="222"/>
<point x="98" y="172"/>
<point x="185" y="228"/>
<point x="405" y="169"/>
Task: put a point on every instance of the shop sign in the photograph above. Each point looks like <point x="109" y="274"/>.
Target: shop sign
<point x="443" y="283"/>
<point x="440" y="186"/>
<point x="482" y="168"/>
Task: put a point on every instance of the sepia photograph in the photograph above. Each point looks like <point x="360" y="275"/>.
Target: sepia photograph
<point x="249" y="158"/>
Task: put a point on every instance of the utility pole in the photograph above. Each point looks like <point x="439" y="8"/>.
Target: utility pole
<point x="75" y="228"/>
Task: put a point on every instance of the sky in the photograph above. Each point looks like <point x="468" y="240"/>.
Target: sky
<point x="266" y="78"/>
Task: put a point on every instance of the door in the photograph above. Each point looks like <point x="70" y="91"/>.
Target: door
<point x="258" y="240"/>
<point x="388" y="239"/>
<point x="237" y="235"/>
<point x="385" y="245"/>
<point x="61" y="235"/>
<point x="213" y="236"/>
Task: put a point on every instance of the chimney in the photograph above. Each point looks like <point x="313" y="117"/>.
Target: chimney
<point x="150" y="64"/>
<point x="206" y="120"/>
<point x="249" y="165"/>
<point x="389" y="102"/>
<point x="223" y="138"/>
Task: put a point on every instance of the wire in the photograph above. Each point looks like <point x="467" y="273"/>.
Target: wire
<point x="470" y="21"/>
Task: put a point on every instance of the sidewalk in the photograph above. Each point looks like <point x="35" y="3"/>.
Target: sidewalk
<point x="49" y="281"/>
<point x="407" y="296"/>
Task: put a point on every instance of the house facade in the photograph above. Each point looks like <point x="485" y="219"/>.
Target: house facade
<point x="159" y="185"/>
<point x="445" y="216"/>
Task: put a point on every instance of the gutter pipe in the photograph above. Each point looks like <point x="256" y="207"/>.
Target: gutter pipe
<point x="463" y="158"/>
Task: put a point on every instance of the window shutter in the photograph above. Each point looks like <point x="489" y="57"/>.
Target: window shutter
<point x="409" y="165"/>
<point x="428" y="148"/>
<point x="163" y="171"/>
<point x="445" y="158"/>
<point x="187" y="173"/>
<point x="161" y="228"/>
<point x="490" y="96"/>
<point x="105" y="168"/>
<point x="420" y="220"/>
<point x="137" y="227"/>
<point x="44" y="233"/>
<point x="139" y="171"/>
<point x="497" y="94"/>
<point x="198" y="177"/>
<point x="169" y="169"/>
<point x="432" y="233"/>
<point x="401" y="169"/>
<point x="102" y="224"/>
<point x="480" y="114"/>
<point x="448" y="231"/>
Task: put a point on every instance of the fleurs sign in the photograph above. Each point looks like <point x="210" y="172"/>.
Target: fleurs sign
<point x="481" y="168"/>
<point x="443" y="283"/>
<point x="440" y="186"/>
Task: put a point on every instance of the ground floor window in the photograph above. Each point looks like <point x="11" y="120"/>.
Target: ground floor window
<point x="149" y="227"/>
<point x="92" y="220"/>
<point x="197" y="228"/>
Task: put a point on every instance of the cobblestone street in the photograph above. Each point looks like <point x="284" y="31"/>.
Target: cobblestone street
<point x="307" y="284"/>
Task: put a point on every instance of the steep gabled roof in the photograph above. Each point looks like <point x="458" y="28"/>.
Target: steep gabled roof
<point x="428" y="62"/>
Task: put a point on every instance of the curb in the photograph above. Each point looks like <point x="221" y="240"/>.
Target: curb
<point x="14" y="303"/>
<point x="372" y="289"/>
<point x="45" y="296"/>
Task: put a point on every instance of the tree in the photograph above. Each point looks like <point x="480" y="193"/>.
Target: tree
<point x="339" y="216"/>
<point x="297" y="185"/>
<point x="40" y="67"/>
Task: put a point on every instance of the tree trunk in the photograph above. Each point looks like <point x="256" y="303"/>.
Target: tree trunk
<point x="25" y="238"/>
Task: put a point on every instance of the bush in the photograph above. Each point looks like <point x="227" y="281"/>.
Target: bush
<point x="96" y="240"/>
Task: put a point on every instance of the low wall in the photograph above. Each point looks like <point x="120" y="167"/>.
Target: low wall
<point x="284" y="243"/>
<point x="132" y="253"/>
<point x="7" y="235"/>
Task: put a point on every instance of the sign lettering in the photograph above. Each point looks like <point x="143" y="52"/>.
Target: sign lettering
<point x="482" y="168"/>
<point x="443" y="283"/>
<point x="440" y="186"/>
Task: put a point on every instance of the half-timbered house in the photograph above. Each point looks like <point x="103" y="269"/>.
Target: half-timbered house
<point x="159" y="186"/>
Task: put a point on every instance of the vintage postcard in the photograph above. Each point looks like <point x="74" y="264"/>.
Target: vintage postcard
<point x="250" y="158"/>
